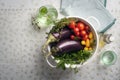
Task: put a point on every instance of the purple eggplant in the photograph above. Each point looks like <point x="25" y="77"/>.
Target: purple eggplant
<point x="52" y="37"/>
<point x="63" y="34"/>
<point x="67" y="46"/>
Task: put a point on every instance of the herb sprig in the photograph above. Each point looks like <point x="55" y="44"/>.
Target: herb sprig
<point x="61" y="24"/>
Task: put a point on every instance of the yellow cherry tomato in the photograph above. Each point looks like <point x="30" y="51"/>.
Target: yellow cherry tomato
<point x="87" y="43"/>
<point x="90" y="48"/>
<point x="91" y="41"/>
<point x="83" y="42"/>
<point x="90" y="35"/>
<point x="86" y="48"/>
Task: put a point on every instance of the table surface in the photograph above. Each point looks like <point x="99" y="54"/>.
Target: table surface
<point x="20" y="44"/>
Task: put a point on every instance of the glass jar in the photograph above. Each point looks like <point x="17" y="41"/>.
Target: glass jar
<point x="108" y="58"/>
<point x="46" y="16"/>
<point x="105" y="39"/>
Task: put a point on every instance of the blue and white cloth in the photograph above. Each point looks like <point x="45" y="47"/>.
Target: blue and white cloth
<point x="86" y="8"/>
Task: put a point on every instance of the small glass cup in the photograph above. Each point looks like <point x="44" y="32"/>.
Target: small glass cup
<point x="108" y="58"/>
<point x="46" y="16"/>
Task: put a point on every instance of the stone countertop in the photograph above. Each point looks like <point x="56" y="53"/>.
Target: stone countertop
<point x="20" y="55"/>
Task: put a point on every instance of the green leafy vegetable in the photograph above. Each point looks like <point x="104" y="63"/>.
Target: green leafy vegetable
<point x="72" y="58"/>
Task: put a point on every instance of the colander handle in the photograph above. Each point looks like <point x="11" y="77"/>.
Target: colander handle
<point x="48" y="57"/>
<point x="49" y="63"/>
<point x="93" y="20"/>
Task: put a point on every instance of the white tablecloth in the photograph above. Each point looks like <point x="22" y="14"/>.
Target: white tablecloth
<point x="20" y="55"/>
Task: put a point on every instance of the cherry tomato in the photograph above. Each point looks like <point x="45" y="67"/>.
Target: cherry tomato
<point x="72" y="24"/>
<point x="87" y="43"/>
<point x="72" y="37"/>
<point x="86" y="48"/>
<point x="86" y="27"/>
<point x="83" y="33"/>
<point x="83" y="42"/>
<point x="91" y="41"/>
<point x="90" y="35"/>
<point x="90" y="48"/>
<point x="85" y="37"/>
<point x="77" y="33"/>
<point x="81" y="26"/>
<point x="76" y="29"/>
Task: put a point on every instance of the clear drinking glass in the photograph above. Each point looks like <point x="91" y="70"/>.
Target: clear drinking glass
<point x="108" y="58"/>
<point x="46" y="16"/>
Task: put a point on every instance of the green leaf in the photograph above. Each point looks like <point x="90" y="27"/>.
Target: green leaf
<point x="61" y="64"/>
<point x="78" y="57"/>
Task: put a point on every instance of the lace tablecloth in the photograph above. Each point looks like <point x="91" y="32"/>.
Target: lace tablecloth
<point x="20" y="55"/>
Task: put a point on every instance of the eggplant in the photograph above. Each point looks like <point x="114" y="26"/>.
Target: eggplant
<point x="55" y="36"/>
<point x="67" y="46"/>
<point x="63" y="34"/>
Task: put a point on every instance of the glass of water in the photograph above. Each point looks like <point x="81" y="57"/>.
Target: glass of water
<point x="46" y="16"/>
<point x="108" y="58"/>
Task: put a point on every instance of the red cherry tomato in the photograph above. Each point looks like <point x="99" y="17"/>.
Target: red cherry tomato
<point x="77" y="33"/>
<point x="86" y="27"/>
<point x="85" y="37"/>
<point x="81" y="26"/>
<point x="76" y="30"/>
<point x="72" y="37"/>
<point x="72" y="24"/>
<point x="83" y="33"/>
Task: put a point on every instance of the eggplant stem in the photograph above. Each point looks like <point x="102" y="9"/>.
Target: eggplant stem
<point x="50" y="39"/>
<point x="54" y="50"/>
<point x="49" y="53"/>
